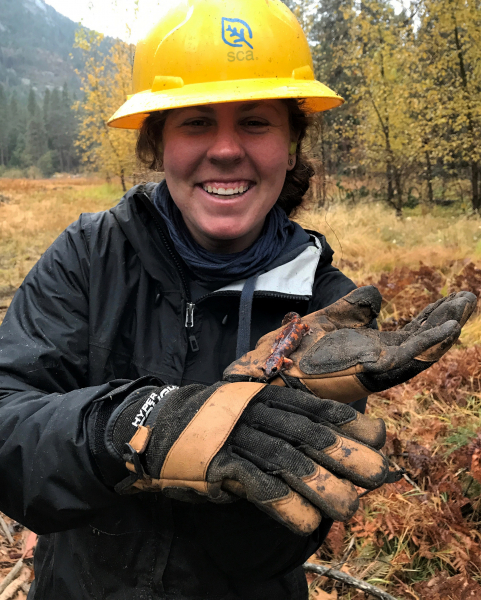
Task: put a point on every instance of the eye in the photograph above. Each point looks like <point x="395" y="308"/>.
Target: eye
<point x="255" y="123"/>
<point x="196" y="122"/>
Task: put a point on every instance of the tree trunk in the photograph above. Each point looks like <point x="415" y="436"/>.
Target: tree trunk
<point x="393" y="175"/>
<point x="475" y="185"/>
<point x="122" y="179"/>
<point x="429" y="178"/>
<point x="399" y="193"/>
<point x="390" y="187"/>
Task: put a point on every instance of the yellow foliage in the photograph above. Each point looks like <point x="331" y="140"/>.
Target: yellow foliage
<point x="106" y="82"/>
<point x="412" y="85"/>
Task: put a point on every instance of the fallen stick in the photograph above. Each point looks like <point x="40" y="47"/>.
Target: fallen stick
<point x="12" y="589"/>
<point x="406" y="476"/>
<point x="6" y="531"/>
<point x="348" y="580"/>
<point x="14" y="573"/>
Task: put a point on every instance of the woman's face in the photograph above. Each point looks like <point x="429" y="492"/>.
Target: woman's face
<point x="225" y="166"/>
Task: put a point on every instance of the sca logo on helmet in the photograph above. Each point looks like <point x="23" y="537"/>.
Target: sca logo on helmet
<point x="237" y="33"/>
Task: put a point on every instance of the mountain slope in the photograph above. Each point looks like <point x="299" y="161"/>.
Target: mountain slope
<point x="36" y="46"/>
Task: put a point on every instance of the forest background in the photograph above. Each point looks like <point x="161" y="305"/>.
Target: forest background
<point x="398" y="181"/>
<point x="407" y="134"/>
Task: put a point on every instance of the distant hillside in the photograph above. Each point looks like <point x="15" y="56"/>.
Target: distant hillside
<point x="36" y="47"/>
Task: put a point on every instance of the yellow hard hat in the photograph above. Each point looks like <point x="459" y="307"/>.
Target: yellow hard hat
<point x="211" y="51"/>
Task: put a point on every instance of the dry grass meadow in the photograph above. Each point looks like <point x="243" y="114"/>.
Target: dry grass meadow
<point x="420" y="538"/>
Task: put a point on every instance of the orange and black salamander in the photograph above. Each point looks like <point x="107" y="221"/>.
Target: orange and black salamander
<point x="285" y="343"/>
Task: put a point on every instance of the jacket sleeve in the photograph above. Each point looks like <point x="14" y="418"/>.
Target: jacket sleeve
<point x="49" y="479"/>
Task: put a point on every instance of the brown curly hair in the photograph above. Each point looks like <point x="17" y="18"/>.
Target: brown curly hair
<point x="297" y="181"/>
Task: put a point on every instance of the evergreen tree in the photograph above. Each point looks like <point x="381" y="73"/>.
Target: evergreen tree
<point x="36" y="139"/>
<point x="68" y="120"/>
<point x="32" y="103"/>
<point x="54" y="127"/>
<point x="13" y="131"/>
<point x="18" y="127"/>
<point x="46" y="115"/>
<point x="36" y="136"/>
<point x="4" y="127"/>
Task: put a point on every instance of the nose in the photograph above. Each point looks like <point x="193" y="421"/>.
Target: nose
<point x="226" y="147"/>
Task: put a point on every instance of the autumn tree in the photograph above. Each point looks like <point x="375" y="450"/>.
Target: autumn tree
<point x="448" y="86"/>
<point x="374" y="63"/>
<point x="106" y="81"/>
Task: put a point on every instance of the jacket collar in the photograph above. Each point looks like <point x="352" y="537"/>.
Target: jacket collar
<point x="294" y="278"/>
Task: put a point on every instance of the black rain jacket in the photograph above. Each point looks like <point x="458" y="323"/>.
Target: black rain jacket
<point x="103" y="312"/>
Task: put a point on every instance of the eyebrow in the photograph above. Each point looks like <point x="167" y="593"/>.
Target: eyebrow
<point x="251" y="105"/>
<point x="205" y="108"/>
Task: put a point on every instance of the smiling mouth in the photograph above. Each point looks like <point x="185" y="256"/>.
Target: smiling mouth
<point x="227" y="191"/>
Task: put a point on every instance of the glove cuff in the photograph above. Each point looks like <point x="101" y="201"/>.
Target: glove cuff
<point x="124" y="420"/>
<point x="109" y="469"/>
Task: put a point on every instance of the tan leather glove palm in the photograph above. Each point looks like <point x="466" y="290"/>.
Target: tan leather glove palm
<point x="339" y="356"/>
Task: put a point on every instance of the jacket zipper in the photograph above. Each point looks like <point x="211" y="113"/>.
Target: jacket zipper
<point x="190" y="306"/>
<point x="189" y="315"/>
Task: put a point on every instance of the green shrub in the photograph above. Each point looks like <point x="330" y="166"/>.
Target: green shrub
<point x="34" y="172"/>
<point x="46" y="164"/>
<point x="13" y="173"/>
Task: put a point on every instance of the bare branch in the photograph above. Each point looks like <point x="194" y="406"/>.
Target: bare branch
<point x="12" y="589"/>
<point x="14" y="573"/>
<point x="348" y="580"/>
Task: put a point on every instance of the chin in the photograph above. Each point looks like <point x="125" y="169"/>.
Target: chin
<point x="226" y="231"/>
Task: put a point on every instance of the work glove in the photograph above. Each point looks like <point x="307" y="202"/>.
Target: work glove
<point x="334" y="353"/>
<point x="294" y="457"/>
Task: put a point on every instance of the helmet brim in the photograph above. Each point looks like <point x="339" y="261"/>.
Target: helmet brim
<point x="316" y="97"/>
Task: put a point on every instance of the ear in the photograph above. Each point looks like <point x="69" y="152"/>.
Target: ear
<point x="291" y="162"/>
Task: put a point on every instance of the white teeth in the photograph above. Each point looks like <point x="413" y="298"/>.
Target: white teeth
<point x="225" y="192"/>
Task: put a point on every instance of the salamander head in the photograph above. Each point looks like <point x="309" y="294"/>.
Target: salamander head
<point x="274" y="364"/>
<point x="292" y="316"/>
